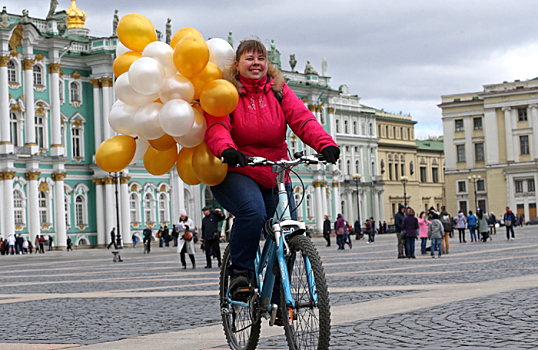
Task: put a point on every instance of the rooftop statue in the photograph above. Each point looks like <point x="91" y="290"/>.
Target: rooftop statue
<point x="115" y="23"/>
<point x="25" y="18"/>
<point x="230" y="40"/>
<point x="309" y="69"/>
<point x="168" y="31"/>
<point x="324" y="67"/>
<point x="62" y="26"/>
<point x="52" y="10"/>
<point x="293" y="62"/>
<point x="4" y="18"/>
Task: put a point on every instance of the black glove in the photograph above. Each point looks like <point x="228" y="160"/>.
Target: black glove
<point x="234" y="157"/>
<point x="331" y="154"/>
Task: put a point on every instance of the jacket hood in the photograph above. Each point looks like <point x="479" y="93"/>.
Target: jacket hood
<point x="276" y="82"/>
<point x="400" y="207"/>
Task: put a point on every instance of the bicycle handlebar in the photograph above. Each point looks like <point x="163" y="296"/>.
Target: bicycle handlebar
<point x="311" y="159"/>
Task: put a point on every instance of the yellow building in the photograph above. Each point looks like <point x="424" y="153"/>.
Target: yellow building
<point x="402" y="159"/>
<point x="491" y="148"/>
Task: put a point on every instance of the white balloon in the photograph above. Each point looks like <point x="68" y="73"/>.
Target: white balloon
<point x="121" y="118"/>
<point x="147" y="75"/>
<point x="196" y="134"/>
<point x="141" y="148"/>
<point x="177" y="87"/>
<point x="120" y="48"/>
<point x="163" y="53"/>
<point x="128" y="95"/>
<point x="176" y="117"/>
<point x="146" y="121"/>
<point x="220" y="52"/>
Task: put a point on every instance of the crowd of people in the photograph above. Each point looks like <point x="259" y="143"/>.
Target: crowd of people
<point x="18" y="245"/>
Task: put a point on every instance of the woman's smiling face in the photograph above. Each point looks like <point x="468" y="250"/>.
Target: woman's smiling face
<point x="252" y="65"/>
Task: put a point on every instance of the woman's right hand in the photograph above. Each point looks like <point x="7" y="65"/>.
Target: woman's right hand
<point x="234" y="158"/>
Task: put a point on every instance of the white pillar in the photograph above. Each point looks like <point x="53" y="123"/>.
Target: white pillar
<point x="9" y="217"/>
<point x="107" y="85"/>
<point x="97" y="112"/>
<point x="56" y="119"/>
<point x="28" y="74"/>
<point x="364" y="206"/>
<point x="325" y="210"/>
<point x="510" y="156"/>
<point x="336" y="196"/>
<point x="381" y="206"/>
<point x="350" y="212"/>
<point x="318" y="206"/>
<point x="99" y="211"/>
<point x="125" y="211"/>
<point x="110" y="210"/>
<point x="376" y="207"/>
<point x="5" y="140"/>
<point x="34" y="228"/>
<point x="59" y="209"/>
<point x="534" y="135"/>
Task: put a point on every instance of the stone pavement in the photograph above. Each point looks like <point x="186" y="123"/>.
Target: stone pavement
<point x="480" y="296"/>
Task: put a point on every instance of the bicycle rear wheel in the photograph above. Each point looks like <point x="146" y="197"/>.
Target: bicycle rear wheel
<point x="241" y="325"/>
<point x="308" y="326"/>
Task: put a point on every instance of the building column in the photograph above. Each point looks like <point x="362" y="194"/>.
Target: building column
<point x="56" y="119"/>
<point x="28" y="75"/>
<point x="5" y="139"/>
<point x="9" y="217"/>
<point x="349" y="207"/>
<point x="510" y="155"/>
<point x="125" y="210"/>
<point x="318" y="206"/>
<point x="99" y="211"/>
<point x="110" y="210"/>
<point x="381" y="206"/>
<point x="336" y="196"/>
<point x="534" y="136"/>
<point x="34" y="228"/>
<point x="324" y="199"/>
<point x="97" y="112"/>
<point x="376" y="206"/>
<point x="59" y="209"/>
<point x="364" y="205"/>
<point x="107" y="85"/>
<point x="177" y="196"/>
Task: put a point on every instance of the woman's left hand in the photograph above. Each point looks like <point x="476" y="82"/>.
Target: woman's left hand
<point x="331" y="154"/>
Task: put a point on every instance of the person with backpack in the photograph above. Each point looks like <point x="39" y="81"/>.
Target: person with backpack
<point x="135" y="240"/>
<point x="446" y="220"/>
<point x="339" y="228"/>
<point x="436" y="231"/>
<point x="483" y="228"/>
<point x="186" y="241"/>
<point x="509" y="220"/>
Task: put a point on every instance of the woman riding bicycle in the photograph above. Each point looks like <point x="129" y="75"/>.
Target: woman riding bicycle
<point x="257" y="127"/>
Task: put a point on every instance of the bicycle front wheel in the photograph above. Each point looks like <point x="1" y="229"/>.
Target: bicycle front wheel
<point x="308" y="326"/>
<point x="241" y="324"/>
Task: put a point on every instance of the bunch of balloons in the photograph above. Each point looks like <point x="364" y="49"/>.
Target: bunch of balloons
<point x="163" y="92"/>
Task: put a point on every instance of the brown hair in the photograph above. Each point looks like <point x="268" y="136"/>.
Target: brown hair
<point x="250" y="45"/>
<point x="410" y="212"/>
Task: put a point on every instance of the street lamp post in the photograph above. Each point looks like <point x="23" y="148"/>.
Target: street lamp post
<point x="404" y="180"/>
<point x="474" y="179"/>
<point x="118" y="234"/>
<point x="357" y="178"/>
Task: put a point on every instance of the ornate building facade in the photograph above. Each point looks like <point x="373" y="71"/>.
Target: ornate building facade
<point x="492" y="148"/>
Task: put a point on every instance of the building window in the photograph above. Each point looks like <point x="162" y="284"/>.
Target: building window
<point x="297" y="197"/>
<point x="13" y="129"/>
<point x="482" y="205"/>
<point x="463" y="206"/>
<point x="76" y="142"/>
<point x="479" y="151"/>
<point x="459" y="124"/>
<point x="355" y="128"/>
<point x="519" y="186"/>
<point x="345" y="127"/>
<point x="462" y="187"/>
<point x="40" y="131"/>
<point x="372" y="170"/>
<point x="357" y="167"/>
<point x="422" y="174"/>
<point x="403" y="168"/>
<point x="521" y="114"/>
<point x="75" y="92"/>
<point x="348" y="167"/>
<point x="387" y="131"/>
<point x="460" y="150"/>
<point x="371" y="130"/>
<point x="79" y="211"/>
<point x="395" y="171"/>
<point x="148" y="209"/>
<point x="38" y="75"/>
<point x="480" y="186"/>
<point x="524" y="144"/>
<point x="435" y="175"/>
<point x="162" y="208"/>
<point x="477" y="123"/>
<point x="398" y="132"/>
<point x="337" y="125"/>
<point x="309" y="210"/>
<point x="67" y="211"/>
<point x="18" y="204"/>
<point x="11" y="72"/>
<point x="293" y="147"/>
<point x="42" y="202"/>
<point x="133" y="208"/>
<point x="530" y="185"/>
<point x="390" y="171"/>
<point x="61" y="88"/>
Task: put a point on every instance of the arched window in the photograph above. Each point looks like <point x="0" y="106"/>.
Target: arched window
<point x="148" y="209"/>
<point x="38" y="75"/>
<point x="18" y="204"/>
<point x="163" y="206"/>
<point x="42" y="203"/>
<point x="357" y="167"/>
<point x="13" y="129"/>
<point x="297" y="197"/>
<point x="348" y="167"/>
<point x="345" y="127"/>
<point x="386" y="131"/>
<point x="11" y="72"/>
<point x="76" y="142"/>
<point x="371" y="130"/>
<point x="337" y="125"/>
<point x="373" y="169"/>
<point x="133" y="208"/>
<point x="75" y="92"/>
<point x="79" y="211"/>
<point x="355" y="128"/>
<point x="40" y="131"/>
<point x="309" y="208"/>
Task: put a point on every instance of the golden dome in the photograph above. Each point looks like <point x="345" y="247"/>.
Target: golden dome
<point x="75" y="17"/>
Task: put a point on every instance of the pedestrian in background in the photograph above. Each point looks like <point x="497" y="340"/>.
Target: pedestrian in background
<point x="423" y="231"/>
<point x="25" y="246"/>
<point x="50" y="243"/>
<point x="175" y="234"/>
<point x="446" y="220"/>
<point x="160" y="236"/>
<point x="339" y="228"/>
<point x="112" y="239"/>
<point x="69" y="244"/>
<point x="435" y="233"/>
<point x="471" y="225"/>
<point x="11" y="241"/>
<point x="186" y="241"/>
<point x="327" y="230"/>
<point x="483" y="229"/>
<point x="41" y="244"/>
<point x="30" y="246"/>
<point x="461" y="222"/>
<point x="492" y="222"/>
<point x="166" y="236"/>
<point x="509" y="220"/>
<point x="410" y="225"/>
<point x="36" y="244"/>
<point x="398" y="222"/>
<point x="347" y="235"/>
<point x="211" y="234"/>
<point x="134" y="238"/>
<point x="148" y="236"/>
<point x="18" y="244"/>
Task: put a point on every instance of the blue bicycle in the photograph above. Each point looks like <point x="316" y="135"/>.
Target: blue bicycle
<point x="289" y="254"/>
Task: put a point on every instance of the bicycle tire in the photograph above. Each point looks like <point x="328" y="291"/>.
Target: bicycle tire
<point x="248" y="337"/>
<point x="305" y="328"/>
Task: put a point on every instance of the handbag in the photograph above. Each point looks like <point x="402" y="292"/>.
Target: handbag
<point x="508" y="223"/>
<point x="340" y="231"/>
<point x="187" y="236"/>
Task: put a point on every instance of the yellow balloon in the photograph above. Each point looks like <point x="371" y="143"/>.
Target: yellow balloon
<point x="191" y="55"/>
<point x="219" y="98"/>
<point x="199" y="81"/>
<point x="184" y="166"/>
<point x="183" y="32"/>
<point x="160" y="162"/>
<point x="136" y="31"/>
<point x="116" y="153"/>
<point x="208" y="168"/>
<point x="123" y="62"/>
<point x="163" y="143"/>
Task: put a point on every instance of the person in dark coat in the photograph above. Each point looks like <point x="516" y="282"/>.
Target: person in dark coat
<point x="327" y="230"/>
<point x="398" y="222"/>
<point x="492" y="221"/>
<point x="410" y="225"/>
<point x="147" y="240"/>
<point x="112" y="239"/>
<point x="211" y="233"/>
<point x="166" y="236"/>
<point x="509" y="221"/>
<point x="371" y="235"/>
<point x="175" y="234"/>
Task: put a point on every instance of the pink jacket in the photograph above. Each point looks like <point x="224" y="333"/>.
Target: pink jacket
<point x="259" y="124"/>
<point x="423" y="227"/>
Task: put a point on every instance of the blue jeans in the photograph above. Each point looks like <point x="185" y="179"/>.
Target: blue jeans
<point x="410" y="246"/>
<point x="436" y="242"/>
<point x="134" y="244"/>
<point x="508" y="229"/>
<point x="423" y="245"/>
<point x="251" y="206"/>
<point x="340" y="240"/>
<point x="472" y="230"/>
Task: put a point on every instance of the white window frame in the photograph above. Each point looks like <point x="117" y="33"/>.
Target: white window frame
<point x="80" y="211"/>
<point x="149" y="207"/>
<point x="15" y="125"/>
<point x="41" y="137"/>
<point x="38" y="75"/>
<point x="80" y="129"/>
<point x="22" y="208"/>
<point x="354" y="127"/>
<point x="346" y="127"/>
<point x="348" y="167"/>
<point x="43" y="69"/>
<point x="61" y="88"/>
<point x="44" y="211"/>
<point x="81" y="190"/>
<point x="309" y="206"/>
<point x="13" y="71"/>
<point x="134" y="199"/>
<point x="462" y="160"/>
<point x="357" y="166"/>
<point x="164" y="201"/>
<point x="337" y="125"/>
<point x="363" y="128"/>
<point x="458" y="187"/>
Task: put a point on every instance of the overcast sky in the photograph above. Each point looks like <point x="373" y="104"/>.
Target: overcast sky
<point x="396" y="55"/>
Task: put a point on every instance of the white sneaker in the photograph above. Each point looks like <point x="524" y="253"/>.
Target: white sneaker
<point x="512" y="239"/>
<point x="367" y="242"/>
